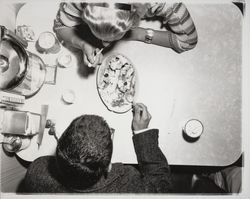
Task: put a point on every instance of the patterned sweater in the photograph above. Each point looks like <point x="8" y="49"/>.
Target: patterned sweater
<point x="176" y="17"/>
<point x="151" y="175"/>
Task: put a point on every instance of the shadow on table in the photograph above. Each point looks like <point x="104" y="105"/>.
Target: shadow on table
<point x="84" y="32"/>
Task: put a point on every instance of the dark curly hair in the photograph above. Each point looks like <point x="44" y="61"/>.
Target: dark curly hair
<point x="84" y="151"/>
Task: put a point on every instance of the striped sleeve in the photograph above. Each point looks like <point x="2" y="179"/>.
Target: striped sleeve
<point x="183" y="35"/>
<point x="68" y="15"/>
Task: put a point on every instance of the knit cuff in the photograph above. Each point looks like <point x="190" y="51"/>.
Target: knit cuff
<point x="174" y="42"/>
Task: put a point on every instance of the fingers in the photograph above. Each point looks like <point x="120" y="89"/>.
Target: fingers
<point x="94" y="58"/>
<point x="90" y="57"/>
<point x="137" y="112"/>
<point x="85" y="60"/>
<point x="143" y="108"/>
<point x="141" y="111"/>
<point x="141" y="117"/>
<point x="100" y="58"/>
<point x="88" y="52"/>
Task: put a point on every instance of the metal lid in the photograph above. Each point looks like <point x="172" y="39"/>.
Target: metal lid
<point x="13" y="59"/>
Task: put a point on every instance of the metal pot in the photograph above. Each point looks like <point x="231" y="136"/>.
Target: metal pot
<point x="21" y="71"/>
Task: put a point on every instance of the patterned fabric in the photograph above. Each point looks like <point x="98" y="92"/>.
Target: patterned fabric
<point x="182" y="37"/>
<point x="152" y="174"/>
<point x="178" y="19"/>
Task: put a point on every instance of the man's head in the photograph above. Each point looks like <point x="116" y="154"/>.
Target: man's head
<point x="84" y="150"/>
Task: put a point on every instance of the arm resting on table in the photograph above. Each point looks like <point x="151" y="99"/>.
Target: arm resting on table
<point x="181" y="34"/>
<point x="152" y="162"/>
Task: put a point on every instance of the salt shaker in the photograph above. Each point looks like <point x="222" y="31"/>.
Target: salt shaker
<point x="15" y="143"/>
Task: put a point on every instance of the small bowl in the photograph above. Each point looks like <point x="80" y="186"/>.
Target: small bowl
<point x="64" y="60"/>
<point x="68" y="96"/>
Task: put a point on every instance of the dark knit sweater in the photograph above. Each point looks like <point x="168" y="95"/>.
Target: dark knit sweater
<point x="152" y="174"/>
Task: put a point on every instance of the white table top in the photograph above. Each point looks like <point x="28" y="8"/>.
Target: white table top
<point x="204" y="83"/>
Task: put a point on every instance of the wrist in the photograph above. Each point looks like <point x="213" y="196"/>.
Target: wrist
<point x="141" y="34"/>
<point x="149" y="35"/>
<point x="137" y="34"/>
<point x="144" y="34"/>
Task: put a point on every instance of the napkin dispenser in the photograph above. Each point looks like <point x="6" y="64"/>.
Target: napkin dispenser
<point x="22" y="123"/>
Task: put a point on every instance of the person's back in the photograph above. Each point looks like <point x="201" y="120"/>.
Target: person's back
<point x="82" y="161"/>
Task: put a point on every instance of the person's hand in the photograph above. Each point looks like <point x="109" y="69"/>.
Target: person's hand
<point x="141" y="117"/>
<point x="91" y="57"/>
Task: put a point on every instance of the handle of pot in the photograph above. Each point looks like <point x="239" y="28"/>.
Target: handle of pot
<point x="4" y="32"/>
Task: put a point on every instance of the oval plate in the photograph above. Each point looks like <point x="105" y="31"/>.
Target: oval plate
<point x="116" y="83"/>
